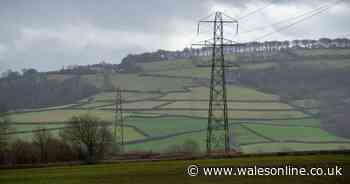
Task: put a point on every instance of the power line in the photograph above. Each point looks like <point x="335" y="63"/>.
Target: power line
<point x="319" y="8"/>
<point x="254" y="11"/>
<point x="322" y="10"/>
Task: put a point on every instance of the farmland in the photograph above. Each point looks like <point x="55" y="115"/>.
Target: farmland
<point x="174" y="171"/>
<point x="165" y="106"/>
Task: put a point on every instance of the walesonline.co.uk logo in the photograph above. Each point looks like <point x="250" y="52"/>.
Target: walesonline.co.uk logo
<point x="194" y="170"/>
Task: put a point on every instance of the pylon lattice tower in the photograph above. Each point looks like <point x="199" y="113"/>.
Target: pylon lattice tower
<point x="119" y="121"/>
<point x="218" y="127"/>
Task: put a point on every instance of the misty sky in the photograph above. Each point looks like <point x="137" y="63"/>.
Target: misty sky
<point x="48" y="34"/>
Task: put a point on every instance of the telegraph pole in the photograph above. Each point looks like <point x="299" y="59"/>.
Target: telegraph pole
<point x="218" y="127"/>
<point x="119" y="121"/>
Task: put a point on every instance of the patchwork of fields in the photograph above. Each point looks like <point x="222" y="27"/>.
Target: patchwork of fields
<point x="165" y="106"/>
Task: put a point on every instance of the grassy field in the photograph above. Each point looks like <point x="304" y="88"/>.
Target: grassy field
<point x="129" y="132"/>
<point x="258" y="66"/>
<point x="307" y="103"/>
<point x="110" y="96"/>
<point x="299" y="122"/>
<point x="95" y="105"/>
<point x="136" y="105"/>
<point x="175" y="172"/>
<point x="27" y="135"/>
<point x="243" y="136"/>
<point x="57" y="115"/>
<point x="136" y="82"/>
<point x="322" y="52"/>
<point x="234" y="92"/>
<point x="166" y="145"/>
<point x="31" y="127"/>
<point x="240" y="136"/>
<point x="52" y="107"/>
<point x="294" y="133"/>
<point x="166" y="125"/>
<point x="239" y="114"/>
<point x="166" y="65"/>
<point x="322" y="63"/>
<point x="59" y="77"/>
<point x="285" y="123"/>
<point x="287" y="147"/>
<point x="200" y="72"/>
<point x="233" y="105"/>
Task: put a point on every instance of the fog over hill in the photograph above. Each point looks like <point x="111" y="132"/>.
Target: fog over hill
<point x="47" y="35"/>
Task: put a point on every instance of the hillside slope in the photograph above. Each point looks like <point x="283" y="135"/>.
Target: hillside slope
<point x="274" y="105"/>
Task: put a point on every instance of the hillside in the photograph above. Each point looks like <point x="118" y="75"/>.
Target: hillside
<point x="275" y="104"/>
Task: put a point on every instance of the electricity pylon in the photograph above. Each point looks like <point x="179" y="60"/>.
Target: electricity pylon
<point x="218" y="127"/>
<point x="119" y="121"/>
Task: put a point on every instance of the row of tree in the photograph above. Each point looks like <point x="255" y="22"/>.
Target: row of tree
<point x="33" y="89"/>
<point x="84" y="138"/>
<point x="186" y="53"/>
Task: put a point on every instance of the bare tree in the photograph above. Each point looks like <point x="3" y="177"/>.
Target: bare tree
<point x="41" y="139"/>
<point x="23" y="152"/>
<point x="89" y="133"/>
<point x="4" y="138"/>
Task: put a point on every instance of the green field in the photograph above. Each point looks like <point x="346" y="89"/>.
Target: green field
<point x="281" y="133"/>
<point x="287" y="147"/>
<point x="52" y="107"/>
<point x="234" y="92"/>
<point x="166" y="65"/>
<point x="232" y="105"/>
<point x="258" y="66"/>
<point x="130" y="133"/>
<point x="308" y="103"/>
<point x="137" y="82"/>
<point x="110" y="96"/>
<point x="200" y="72"/>
<point x="154" y="106"/>
<point x="322" y="63"/>
<point x="26" y="128"/>
<point x="175" y="172"/>
<point x="165" y="145"/>
<point x="174" y="127"/>
<point x="95" y="105"/>
<point x="238" y="114"/>
<point x="167" y="125"/>
<point x="322" y="52"/>
<point x="59" y="77"/>
<point x="57" y="115"/>
<point x="243" y="136"/>
<point x="292" y="123"/>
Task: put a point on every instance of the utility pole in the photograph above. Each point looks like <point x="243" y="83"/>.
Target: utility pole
<point x="218" y="127"/>
<point x="119" y="121"/>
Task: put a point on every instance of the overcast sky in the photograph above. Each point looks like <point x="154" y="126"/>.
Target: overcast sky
<point x="48" y="34"/>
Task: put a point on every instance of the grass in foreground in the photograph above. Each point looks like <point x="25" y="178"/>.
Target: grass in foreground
<point x="174" y="172"/>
